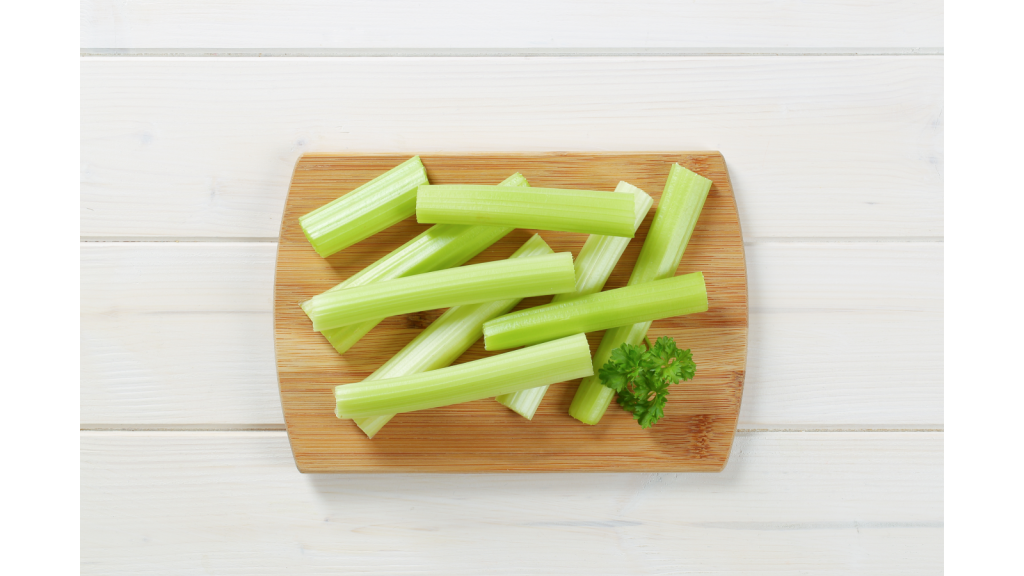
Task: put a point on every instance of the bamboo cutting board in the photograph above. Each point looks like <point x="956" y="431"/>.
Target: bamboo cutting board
<point x="700" y="420"/>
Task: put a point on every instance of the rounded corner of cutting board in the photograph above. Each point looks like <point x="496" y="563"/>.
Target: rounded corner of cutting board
<point x="700" y="424"/>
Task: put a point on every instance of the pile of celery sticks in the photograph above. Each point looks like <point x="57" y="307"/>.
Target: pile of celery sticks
<point x="426" y="273"/>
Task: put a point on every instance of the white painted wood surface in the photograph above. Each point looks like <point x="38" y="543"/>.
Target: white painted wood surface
<point x="819" y="146"/>
<point x="181" y="334"/>
<point x="787" y="503"/>
<point x="837" y="165"/>
<point x="550" y="24"/>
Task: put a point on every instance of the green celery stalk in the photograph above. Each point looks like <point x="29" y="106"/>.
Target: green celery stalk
<point x="556" y="361"/>
<point x="593" y="266"/>
<point x="384" y="201"/>
<point x="675" y="296"/>
<point x="674" y="222"/>
<point x="586" y="211"/>
<point x="518" y="278"/>
<point x="439" y="247"/>
<point x="446" y="338"/>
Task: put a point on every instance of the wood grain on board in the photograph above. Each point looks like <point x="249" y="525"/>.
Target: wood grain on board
<point x="697" y="431"/>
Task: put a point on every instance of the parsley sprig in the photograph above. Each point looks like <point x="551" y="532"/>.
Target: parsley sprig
<point x="641" y="377"/>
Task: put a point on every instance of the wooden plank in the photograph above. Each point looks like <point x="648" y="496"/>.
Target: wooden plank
<point x="820" y="369"/>
<point x="817" y="146"/>
<point x="178" y="333"/>
<point x="886" y="277"/>
<point x="275" y="24"/>
<point x="832" y="353"/>
<point x="786" y="504"/>
<point x="700" y="418"/>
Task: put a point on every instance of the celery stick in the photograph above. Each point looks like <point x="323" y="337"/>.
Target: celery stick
<point x="593" y="266"/>
<point x="664" y="298"/>
<point x="674" y="221"/>
<point x="446" y="339"/>
<point x="555" y="361"/>
<point x="600" y="254"/>
<point x="439" y="247"/>
<point x="519" y="278"/>
<point x="586" y="211"/>
<point x="592" y="397"/>
<point x="386" y="200"/>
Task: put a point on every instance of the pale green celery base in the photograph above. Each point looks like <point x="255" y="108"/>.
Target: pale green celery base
<point x="347" y="336"/>
<point x="592" y="398"/>
<point x="594" y="265"/>
<point x="446" y="339"/>
<point x="439" y="247"/>
<point x="556" y="361"/>
<point x="584" y="211"/>
<point x="524" y="402"/>
<point x="372" y="424"/>
<point x="498" y="280"/>
<point x="370" y="208"/>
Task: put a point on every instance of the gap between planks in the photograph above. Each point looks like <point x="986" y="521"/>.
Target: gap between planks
<point x="496" y="52"/>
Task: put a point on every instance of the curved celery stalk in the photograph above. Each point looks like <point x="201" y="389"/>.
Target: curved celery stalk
<point x="586" y="211"/>
<point x="664" y="298"/>
<point x="594" y="265"/>
<point x="676" y="217"/>
<point x="446" y="338"/>
<point x="439" y="247"/>
<point x="555" y="361"/>
<point x="519" y="278"/>
<point x="370" y="208"/>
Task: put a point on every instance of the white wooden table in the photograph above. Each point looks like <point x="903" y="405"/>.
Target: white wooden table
<point x="830" y="116"/>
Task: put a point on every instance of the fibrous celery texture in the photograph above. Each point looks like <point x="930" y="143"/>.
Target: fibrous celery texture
<point x="446" y="338"/>
<point x="593" y="265"/>
<point x="675" y="296"/>
<point x="439" y="247"/>
<point x="586" y="211"/>
<point x="370" y="208"/>
<point x="564" y="359"/>
<point x="674" y="221"/>
<point x="518" y="278"/>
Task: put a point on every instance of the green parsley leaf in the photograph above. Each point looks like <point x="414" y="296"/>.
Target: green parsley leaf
<point x="641" y="375"/>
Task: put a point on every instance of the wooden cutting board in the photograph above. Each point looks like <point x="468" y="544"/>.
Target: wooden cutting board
<point x="697" y="431"/>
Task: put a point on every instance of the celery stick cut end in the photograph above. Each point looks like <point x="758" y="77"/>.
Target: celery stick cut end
<point x="372" y="424"/>
<point x="642" y="202"/>
<point x="518" y="410"/>
<point x="585" y="419"/>
<point x="591" y="401"/>
<point x="524" y="402"/>
<point x="516" y="179"/>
